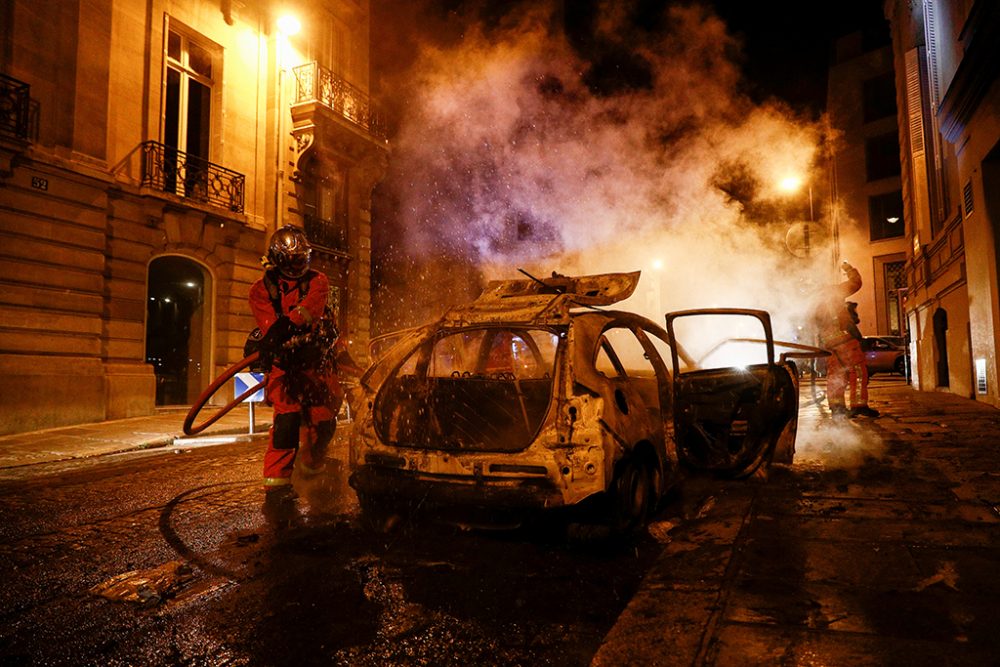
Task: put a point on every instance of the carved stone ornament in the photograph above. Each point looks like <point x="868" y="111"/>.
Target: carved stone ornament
<point x="304" y="140"/>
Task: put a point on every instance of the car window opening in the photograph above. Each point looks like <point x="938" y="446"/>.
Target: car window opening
<point x="483" y="389"/>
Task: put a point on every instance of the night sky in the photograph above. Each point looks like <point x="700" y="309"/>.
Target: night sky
<point x="786" y="44"/>
<point x="685" y="91"/>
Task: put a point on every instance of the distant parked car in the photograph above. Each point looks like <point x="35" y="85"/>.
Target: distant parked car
<point x="884" y="354"/>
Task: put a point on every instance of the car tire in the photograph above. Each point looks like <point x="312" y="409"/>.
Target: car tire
<point x="784" y="448"/>
<point x="900" y="366"/>
<point x="633" y="496"/>
<point x="378" y="515"/>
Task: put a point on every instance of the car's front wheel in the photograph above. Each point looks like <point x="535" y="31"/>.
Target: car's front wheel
<point x="900" y="366"/>
<point x="378" y="514"/>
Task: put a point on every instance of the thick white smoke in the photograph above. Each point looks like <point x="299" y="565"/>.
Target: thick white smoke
<point x="518" y="147"/>
<point x="507" y="158"/>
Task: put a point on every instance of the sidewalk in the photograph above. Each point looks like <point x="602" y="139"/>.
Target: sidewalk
<point x="879" y="546"/>
<point x="111" y="437"/>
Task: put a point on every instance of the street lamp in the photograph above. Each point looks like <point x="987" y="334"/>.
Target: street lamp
<point x="289" y="25"/>
<point x="789" y="185"/>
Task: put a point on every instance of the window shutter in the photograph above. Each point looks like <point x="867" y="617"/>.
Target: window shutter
<point x="914" y="104"/>
<point x="930" y="34"/>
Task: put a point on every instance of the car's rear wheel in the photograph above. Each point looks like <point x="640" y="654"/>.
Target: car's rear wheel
<point x="900" y="366"/>
<point x="633" y="495"/>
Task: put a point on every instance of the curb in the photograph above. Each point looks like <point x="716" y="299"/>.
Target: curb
<point x="155" y="442"/>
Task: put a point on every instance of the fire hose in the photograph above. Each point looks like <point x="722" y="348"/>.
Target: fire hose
<point x="189" y="426"/>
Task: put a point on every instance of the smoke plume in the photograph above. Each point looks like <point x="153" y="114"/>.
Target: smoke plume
<point x="611" y="139"/>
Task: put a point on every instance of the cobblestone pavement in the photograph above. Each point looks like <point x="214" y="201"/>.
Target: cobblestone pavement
<point x="880" y="545"/>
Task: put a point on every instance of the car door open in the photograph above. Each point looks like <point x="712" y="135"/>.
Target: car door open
<point x="734" y="402"/>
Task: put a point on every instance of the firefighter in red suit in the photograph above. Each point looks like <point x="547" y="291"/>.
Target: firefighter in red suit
<point x="838" y="334"/>
<point x="300" y="344"/>
<point x="858" y="373"/>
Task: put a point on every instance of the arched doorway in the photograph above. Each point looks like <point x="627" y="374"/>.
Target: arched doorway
<point x="941" y="343"/>
<point x="178" y="328"/>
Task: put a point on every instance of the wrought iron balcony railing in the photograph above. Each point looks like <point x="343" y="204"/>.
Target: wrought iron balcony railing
<point x="315" y="82"/>
<point x="325" y="233"/>
<point x="15" y="103"/>
<point x="170" y="170"/>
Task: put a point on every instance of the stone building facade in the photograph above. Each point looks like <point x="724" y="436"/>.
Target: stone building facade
<point x="865" y="170"/>
<point x="147" y="150"/>
<point x="946" y="60"/>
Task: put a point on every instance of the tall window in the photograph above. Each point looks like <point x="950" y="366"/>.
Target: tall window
<point x="187" y="111"/>
<point x="324" y="204"/>
<point x="879" y="97"/>
<point x="882" y="156"/>
<point x="885" y="216"/>
<point x="335" y="49"/>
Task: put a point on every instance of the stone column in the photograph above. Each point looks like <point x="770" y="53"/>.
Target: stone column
<point x="363" y="178"/>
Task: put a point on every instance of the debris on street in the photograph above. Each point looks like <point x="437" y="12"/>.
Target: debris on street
<point x="660" y="530"/>
<point x="146" y="587"/>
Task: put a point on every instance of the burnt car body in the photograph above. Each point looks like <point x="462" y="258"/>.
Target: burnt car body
<point x="536" y="396"/>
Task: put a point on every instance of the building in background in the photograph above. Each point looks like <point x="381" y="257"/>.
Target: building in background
<point x="945" y="54"/>
<point x="147" y="150"/>
<point x="865" y="178"/>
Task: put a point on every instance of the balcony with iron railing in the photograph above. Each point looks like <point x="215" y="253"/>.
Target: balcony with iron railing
<point x="325" y="234"/>
<point x="15" y="105"/>
<point x="170" y="170"/>
<point x="315" y="83"/>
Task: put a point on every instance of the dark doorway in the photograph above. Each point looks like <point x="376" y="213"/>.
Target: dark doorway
<point x="941" y="343"/>
<point x="177" y="328"/>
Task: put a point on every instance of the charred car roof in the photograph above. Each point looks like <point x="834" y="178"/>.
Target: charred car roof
<point x="541" y="301"/>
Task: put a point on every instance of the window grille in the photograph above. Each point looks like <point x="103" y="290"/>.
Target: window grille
<point x="15" y="102"/>
<point x="895" y="280"/>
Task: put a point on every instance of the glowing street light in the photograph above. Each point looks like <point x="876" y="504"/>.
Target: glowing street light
<point x="289" y="25"/>
<point x="790" y="184"/>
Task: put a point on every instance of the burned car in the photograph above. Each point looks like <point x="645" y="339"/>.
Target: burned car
<point x="537" y="396"/>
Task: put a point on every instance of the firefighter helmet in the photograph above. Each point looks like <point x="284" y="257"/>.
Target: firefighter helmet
<point x="289" y="251"/>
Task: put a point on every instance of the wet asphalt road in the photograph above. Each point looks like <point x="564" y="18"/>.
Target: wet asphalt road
<point x="879" y="546"/>
<point x="327" y="591"/>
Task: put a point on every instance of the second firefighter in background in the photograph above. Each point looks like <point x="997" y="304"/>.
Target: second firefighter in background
<point x="836" y="323"/>
<point x="301" y="348"/>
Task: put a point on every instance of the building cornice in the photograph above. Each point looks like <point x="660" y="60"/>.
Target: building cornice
<point x="977" y="71"/>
